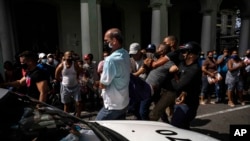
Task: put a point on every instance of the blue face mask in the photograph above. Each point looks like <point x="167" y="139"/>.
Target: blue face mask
<point x="215" y="56"/>
<point x="235" y="56"/>
<point x="44" y="61"/>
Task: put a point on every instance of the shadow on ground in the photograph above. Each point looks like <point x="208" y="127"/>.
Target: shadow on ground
<point x="219" y="136"/>
<point x="199" y="122"/>
<point x="196" y="123"/>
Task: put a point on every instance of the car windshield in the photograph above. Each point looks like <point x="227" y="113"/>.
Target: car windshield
<point x="26" y="119"/>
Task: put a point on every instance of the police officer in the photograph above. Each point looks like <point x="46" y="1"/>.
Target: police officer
<point x="187" y="84"/>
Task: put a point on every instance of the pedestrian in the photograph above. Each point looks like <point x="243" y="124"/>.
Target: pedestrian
<point x="187" y="83"/>
<point x="42" y="63"/>
<point x="209" y="78"/>
<point x="90" y="66"/>
<point x="247" y="69"/>
<point x="234" y="78"/>
<point x="150" y="51"/>
<point x="221" y="87"/>
<point x="100" y="64"/>
<point x="160" y="80"/>
<point x="35" y="79"/>
<point x="136" y="60"/>
<point x="115" y="78"/>
<point x="67" y="73"/>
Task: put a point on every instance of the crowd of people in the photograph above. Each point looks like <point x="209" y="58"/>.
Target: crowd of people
<point x="166" y="82"/>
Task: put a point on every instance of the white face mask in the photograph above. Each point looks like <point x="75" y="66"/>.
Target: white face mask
<point x="110" y="46"/>
<point x="44" y="61"/>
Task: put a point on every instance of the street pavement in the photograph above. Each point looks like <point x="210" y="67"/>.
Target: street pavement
<point x="215" y="119"/>
<point x="212" y="119"/>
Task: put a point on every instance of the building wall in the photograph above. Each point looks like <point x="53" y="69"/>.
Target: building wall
<point x="70" y="25"/>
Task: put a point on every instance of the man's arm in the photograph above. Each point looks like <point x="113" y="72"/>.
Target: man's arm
<point x="160" y="62"/>
<point x="140" y="71"/>
<point x="43" y="89"/>
<point x="16" y="83"/>
<point x="180" y="83"/>
<point x="58" y="72"/>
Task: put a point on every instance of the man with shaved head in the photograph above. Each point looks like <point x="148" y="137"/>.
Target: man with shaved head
<point x="115" y="77"/>
<point x="67" y="74"/>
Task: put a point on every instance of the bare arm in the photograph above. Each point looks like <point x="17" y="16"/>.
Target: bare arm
<point x="204" y="69"/>
<point x="17" y="83"/>
<point x="140" y="71"/>
<point x="58" y="72"/>
<point x="159" y="62"/>
<point x="231" y="67"/>
<point x="173" y="69"/>
<point x="43" y="89"/>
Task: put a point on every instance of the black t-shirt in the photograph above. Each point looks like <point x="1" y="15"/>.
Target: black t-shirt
<point x="32" y="77"/>
<point x="190" y="82"/>
<point x="175" y="56"/>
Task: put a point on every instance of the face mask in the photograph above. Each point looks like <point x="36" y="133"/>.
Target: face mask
<point x="201" y="56"/>
<point x="215" y="56"/>
<point x="157" y="55"/>
<point x="110" y="46"/>
<point x="181" y="57"/>
<point x="234" y="57"/>
<point x="44" y="61"/>
<point x="106" y="47"/>
<point x="150" y="55"/>
<point x="24" y="66"/>
<point x="69" y="60"/>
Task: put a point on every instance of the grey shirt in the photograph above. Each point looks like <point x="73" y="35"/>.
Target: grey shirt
<point x="158" y="75"/>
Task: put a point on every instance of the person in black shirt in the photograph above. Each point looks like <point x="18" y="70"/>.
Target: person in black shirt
<point x="35" y="79"/>
<point x="187" y="85"/>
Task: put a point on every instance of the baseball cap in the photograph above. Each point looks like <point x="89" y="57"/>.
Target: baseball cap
<point x="151" y="48"/>
<point x="29" y="54"/>
<point x="134" y="48"/>
<point x="191" y="47"/>
<point x="50" y="55"/>
<point x="41" y="55"/>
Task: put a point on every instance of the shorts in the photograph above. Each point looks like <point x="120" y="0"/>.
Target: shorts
<point x="236" y="84"/>
<point x="67" y="93"/>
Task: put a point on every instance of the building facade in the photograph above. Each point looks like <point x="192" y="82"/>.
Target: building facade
<point x="78" y="25"/>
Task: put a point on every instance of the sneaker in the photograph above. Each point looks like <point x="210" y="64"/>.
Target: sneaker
<point x="213" y="102"/>
<point x="231" y="104"/>
<point x="202" y="103"/>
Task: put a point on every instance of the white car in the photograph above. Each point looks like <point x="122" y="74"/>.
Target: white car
<point x="26" y="119"/>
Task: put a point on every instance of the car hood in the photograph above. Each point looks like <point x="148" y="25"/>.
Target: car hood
<point x="135" y="130"/>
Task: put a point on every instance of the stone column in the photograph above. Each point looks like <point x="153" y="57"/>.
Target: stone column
<point x="99" y="32"/>
<point x="208" y="34"/>
<point x="245" y="27"/>
<point x="164" y="19"/>
<point x="85" y="29"/>
<point x="91" y="28"/>
<point x="156" y="22"/>
<point x="6" y="43"/>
